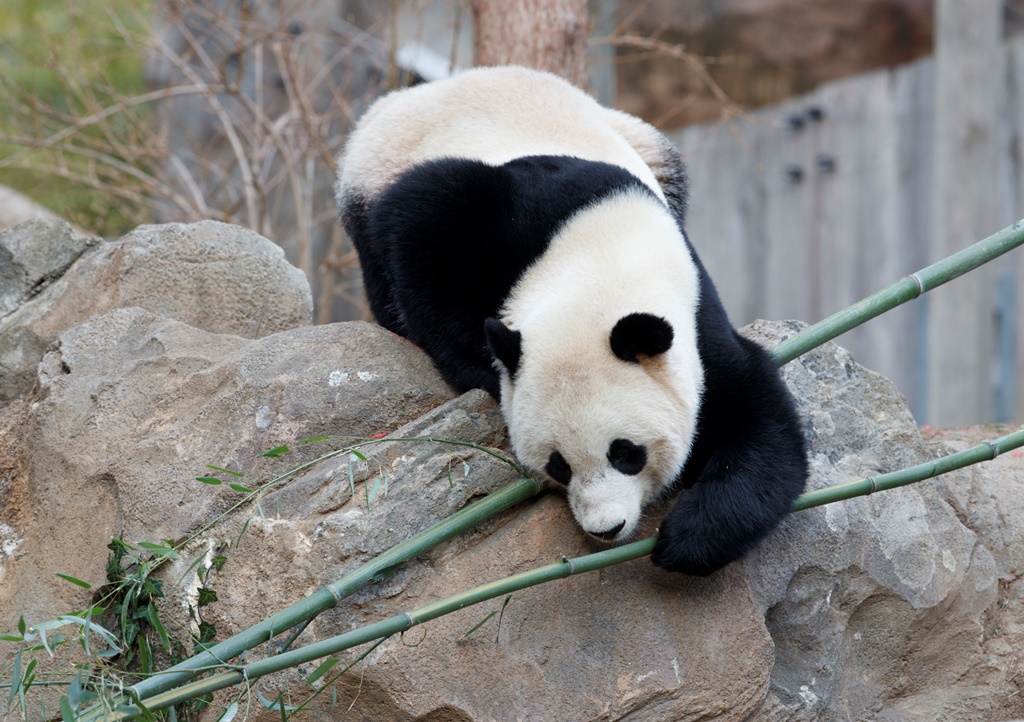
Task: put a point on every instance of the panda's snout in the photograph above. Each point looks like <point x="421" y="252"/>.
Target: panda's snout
<point x="606" y="508"/>
<point x="608" y="534"/>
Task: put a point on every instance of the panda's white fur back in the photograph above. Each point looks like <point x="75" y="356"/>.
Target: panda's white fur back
<point x="493" y="115"/>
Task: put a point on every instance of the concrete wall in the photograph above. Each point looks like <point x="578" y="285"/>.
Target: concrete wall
<point x="801" y="209"/>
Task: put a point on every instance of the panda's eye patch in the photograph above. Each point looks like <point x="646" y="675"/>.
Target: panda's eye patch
<point x="558" y="468"/>
<point x="627" y="457"/>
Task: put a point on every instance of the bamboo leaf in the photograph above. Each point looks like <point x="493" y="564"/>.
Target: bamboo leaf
<point x="501" y="615"/>
<point x="120" y="544"/>
<point x="45" y="627"/>
<point x="11" y="638"/>
<point x="66" y="713"/>
<point x="372" y="493"/>
<point x="240" y="487"/>
<point x="21" y="625"/>
<point x="211" y="480"/>
<point x="77" y="693"/>
<point x="91" y="626"/>
<point x="351" y="478"/>
<point x="245" y="526"/>
<point x="94" y="610"/>
<point x="15" y="679"/>
<point x="154" y="620"/>
<point x="358" y="454"/>
<point x="314" y="439"/>
<point x="480" y="623"/>
<point x="26" y="684"/>
<point x="145" y="654"/>
<point x="276" y="452"/>
<point x="159" y="550"/>
<point x="73" y="580"/>
<point x="226" y="471"/>
<point x="151" y="546"/>
<point x="272" y="704"/>
<point x="126" y="606"/>
<point x="229" y="713"/>
<point x="195" y="563"/>
<point x="320" y="671"/>
<point x="43" y="641"/>
<point x="85" y="639"/>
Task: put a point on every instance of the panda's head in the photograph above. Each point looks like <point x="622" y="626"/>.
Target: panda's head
<point x="601" y="412"/>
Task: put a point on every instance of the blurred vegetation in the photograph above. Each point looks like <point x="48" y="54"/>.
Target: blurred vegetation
<point x="61" y="60"/>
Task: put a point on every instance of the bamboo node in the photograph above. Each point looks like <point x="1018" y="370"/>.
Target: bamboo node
<point x="567" y="560"/>
<point x="874" y="486"/>
<point x="410" y="619"/>
<point x="995" y="449"/>
<point x="334" y="592"/>
<point x="920" y="286"/>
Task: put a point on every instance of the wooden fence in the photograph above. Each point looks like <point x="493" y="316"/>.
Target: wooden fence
<point x="801" y="209"/>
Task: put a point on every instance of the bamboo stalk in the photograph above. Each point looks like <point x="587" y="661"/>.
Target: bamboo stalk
<point x="906" y="289"/>
<point x="559" y="570"/>
<point x="328" y="596"/>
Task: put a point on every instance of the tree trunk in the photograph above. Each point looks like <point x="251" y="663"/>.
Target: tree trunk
<point x="543" y="34"/>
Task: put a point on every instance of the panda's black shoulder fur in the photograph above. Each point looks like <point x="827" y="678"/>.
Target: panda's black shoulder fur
<point x="449" y="238"/>
<point x="748" y="462"/>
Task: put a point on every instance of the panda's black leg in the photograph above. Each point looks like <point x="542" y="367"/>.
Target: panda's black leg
<point x="740" y="496"/>
<point x="748" y="465"/>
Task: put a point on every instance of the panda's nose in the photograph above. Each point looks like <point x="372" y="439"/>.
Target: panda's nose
<point x="609" y="534"/>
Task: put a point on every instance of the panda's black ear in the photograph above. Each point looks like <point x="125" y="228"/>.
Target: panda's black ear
<point x="505" y="344"/>
<point x="641" y="334"/>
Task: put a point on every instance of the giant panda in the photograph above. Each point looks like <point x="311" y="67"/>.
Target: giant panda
<point x="531" y="242"/>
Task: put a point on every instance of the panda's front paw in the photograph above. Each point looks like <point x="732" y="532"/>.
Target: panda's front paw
<point x="677" y="551"/>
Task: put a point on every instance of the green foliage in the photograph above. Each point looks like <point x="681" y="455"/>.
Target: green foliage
<point x="60" y="61"/>
<point x="123" y="634"/>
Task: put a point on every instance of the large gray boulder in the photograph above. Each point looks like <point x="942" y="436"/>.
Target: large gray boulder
<point x="878" y="600"/>
<point x="881" y="607"/>
<point x="130" y="407"/>
<point x="216" y="277"/>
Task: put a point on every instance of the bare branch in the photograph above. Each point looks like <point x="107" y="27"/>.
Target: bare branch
<point x="697" y="64"/>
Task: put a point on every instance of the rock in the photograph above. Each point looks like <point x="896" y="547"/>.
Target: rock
<point x="881" y="599"/>
<point x="131" y="407"/>
<point x="883" y="607"/>
<point x="33" y="256"/>
<point x="220" y="278"/>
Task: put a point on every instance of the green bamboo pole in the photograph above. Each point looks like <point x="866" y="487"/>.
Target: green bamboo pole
<point x="328" y="597"/>
<point x="907" y="289"/>
<point x="559" y="570"/>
